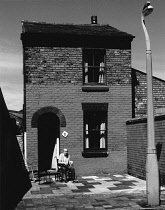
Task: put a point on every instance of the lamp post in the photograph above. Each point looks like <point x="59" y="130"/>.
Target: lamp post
<point x="152" y="174"/>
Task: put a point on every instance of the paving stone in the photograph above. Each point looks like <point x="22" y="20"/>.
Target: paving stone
<point x="99" y="208"/>
<point x="107" y="206"/>
<point x="20" y="207"/>
<point x="29" y="205"/>
<point x="79" y="208"/>
<point x="95" y="183"/>
<point x="94" y="192"/>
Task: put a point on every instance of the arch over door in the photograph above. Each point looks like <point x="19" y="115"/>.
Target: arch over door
<point x="48" y="132"/>
<point x="56" y="111"/>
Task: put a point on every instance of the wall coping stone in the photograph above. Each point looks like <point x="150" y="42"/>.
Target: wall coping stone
<point x="144" y="119"/>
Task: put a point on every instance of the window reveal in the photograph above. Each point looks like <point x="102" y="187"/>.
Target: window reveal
<point x="95" y="130"/>
<point x="94" y="66"/>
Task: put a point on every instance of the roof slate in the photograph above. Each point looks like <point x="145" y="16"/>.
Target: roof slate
<point x="73" y="29"/>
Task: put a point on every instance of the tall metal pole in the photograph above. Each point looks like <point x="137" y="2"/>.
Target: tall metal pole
<point x="152" y="174"/>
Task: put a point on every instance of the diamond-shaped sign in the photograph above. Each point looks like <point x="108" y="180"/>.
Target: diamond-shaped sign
<point x="64" y="134"/>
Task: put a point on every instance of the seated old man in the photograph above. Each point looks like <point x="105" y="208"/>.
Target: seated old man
<point x="66" y="166"/>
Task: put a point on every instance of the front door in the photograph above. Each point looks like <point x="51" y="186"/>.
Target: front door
<point x="48" y="132"/>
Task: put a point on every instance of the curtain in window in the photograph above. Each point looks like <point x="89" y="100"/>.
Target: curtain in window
<point x="54" y="163"/>
<point x="86" y="72"/>
<point x="56" y="149"/>
<point x="55" y="155"/>
<point x="58" y="146"/>
<point x="102" y="134"/>
<point x="86" y="138"/>
<point x="101" y="73"/>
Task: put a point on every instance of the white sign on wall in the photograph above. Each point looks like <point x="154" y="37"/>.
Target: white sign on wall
<point x="64" y="134"/>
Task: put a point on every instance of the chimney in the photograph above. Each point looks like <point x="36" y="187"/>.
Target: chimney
<point x="94" y="19"/>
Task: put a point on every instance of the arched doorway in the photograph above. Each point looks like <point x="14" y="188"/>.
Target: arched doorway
<point x="48" y="132"/>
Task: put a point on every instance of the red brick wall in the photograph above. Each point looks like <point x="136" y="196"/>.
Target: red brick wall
<point x="54" y="77"/>
<point x="137" y="145"/>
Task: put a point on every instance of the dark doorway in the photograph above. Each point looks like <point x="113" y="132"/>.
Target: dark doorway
<point x="48" y="132"/>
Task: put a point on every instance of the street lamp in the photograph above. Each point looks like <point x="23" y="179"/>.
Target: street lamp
<point x="152" y="174"/>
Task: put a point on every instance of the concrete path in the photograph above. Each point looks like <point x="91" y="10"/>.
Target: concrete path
<point x="90" y="192"/>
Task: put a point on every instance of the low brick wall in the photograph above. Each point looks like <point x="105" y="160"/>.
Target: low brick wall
<point x="137" y="146"/>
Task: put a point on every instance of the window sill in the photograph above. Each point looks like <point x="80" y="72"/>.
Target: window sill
<point x="95" y="154"/>
<point x="95" y="88"/>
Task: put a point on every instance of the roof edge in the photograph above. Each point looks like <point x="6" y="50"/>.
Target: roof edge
<point x="24" y="22"/>
<point x="146" y="73"/>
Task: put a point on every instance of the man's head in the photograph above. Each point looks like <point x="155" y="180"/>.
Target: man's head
<point x="65" y="151"/>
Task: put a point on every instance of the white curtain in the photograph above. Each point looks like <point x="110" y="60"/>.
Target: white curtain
<point x="58" y="147"/>
<point x="86" y="139"/>
<point x="102" y="139"/>
<point x="54" y="158"/>
<point x="101" y="72"/>
<point x="54" y="163"/>
<point x="86" y="72"/>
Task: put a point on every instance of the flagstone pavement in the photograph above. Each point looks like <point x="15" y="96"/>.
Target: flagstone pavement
<point x="89" y="193"/>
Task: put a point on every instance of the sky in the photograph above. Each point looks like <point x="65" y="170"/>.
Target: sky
<point x="124" y="15"/>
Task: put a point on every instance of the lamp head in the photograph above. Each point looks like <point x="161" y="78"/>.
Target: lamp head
<point x="147" y="9"/>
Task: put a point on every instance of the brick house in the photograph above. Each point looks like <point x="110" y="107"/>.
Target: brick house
<point x="77" y="94"/>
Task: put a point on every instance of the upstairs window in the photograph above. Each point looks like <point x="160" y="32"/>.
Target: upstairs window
<point x="94" y="66"/>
